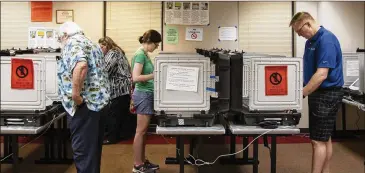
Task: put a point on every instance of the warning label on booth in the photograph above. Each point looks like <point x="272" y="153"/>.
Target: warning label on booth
<point x="22" y="76"/>
<point x="276" y="80"/>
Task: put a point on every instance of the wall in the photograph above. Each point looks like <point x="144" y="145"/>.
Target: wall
<point x="263" y="27"/>
<point x="346" y="20"/>
<point x="125" y="27"/>
<point x="15" y="21"/>
<point x="217" y="18"/>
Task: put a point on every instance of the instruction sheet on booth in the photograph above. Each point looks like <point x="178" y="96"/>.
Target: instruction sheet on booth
<point x="352" y="68"/>
<point x="182" y="78"/>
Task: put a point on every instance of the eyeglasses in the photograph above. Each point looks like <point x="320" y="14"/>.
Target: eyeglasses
<point x="300" y="30"/>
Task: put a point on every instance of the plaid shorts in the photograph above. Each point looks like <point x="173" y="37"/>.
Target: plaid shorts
<point x="323" y="107"/>
<point x="143" y="102"/>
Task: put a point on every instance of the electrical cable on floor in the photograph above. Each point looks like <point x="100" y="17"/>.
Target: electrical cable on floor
<point x="211" y="163"/>
<point x="51" y="122"/>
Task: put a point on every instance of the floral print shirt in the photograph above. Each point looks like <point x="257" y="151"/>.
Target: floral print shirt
<point x="96" y="89"/>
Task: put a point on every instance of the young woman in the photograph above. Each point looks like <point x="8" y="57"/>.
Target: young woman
<point x="119" y="75"/>
<point x="143" y="97"/>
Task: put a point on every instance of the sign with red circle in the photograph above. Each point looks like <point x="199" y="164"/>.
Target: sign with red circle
<point x="276" y="80"/>
<point x="194" y="35"/>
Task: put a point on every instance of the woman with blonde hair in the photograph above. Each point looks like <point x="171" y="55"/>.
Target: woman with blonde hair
<point x="115" y="63"/>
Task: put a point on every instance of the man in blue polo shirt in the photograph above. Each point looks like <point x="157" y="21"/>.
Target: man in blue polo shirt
<point x="323" y="81"/>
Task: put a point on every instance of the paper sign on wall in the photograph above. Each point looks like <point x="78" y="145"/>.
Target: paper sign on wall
<point x="180" y="78"/>
<point x="172" y="35"/>
<point x="42" y="37"/>
<point x="22" y="74"/>
<point x="227" y="33"/>
<point x="276" y="82"/>
<point x="194" y="34"/>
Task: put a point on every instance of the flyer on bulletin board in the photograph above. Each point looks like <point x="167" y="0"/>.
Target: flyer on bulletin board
<point x="172" y="35"/>
<point x="187" y="13"/>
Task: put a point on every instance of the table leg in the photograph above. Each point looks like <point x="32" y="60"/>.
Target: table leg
<point x="59" y="139"/>
<point x="56" y="137"/>
<point x="273" y="154"/>
<point x="233" y="146"/>
<point x="181" y="154"/>
<point x="244" y="144"/>
<point x="6" y="145"/>
<point x="238" y="161"/>
<point x="9" y="148"/>
<point x="256" y="156"/>
<point x="65" y="134"/>
<point x="192" y="145"/>
<point x="52" y="140"/>
<point x="15" y="150"/>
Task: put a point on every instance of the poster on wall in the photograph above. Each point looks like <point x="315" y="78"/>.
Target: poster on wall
<point x="172" y="35"/>
<point x="42" y="37"/>
<point x="227" y="33"/>
<point x="41" y="11"/>
<point x="63" y="16"/>
<point x="194" y="34"/>
<point x="187" y="13"/>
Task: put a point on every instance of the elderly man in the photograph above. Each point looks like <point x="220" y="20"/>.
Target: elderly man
<point x="84" y="90"/>
<point x="323" y="81"/>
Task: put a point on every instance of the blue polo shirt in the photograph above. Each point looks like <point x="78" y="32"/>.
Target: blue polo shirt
<point x="323" y="50"/>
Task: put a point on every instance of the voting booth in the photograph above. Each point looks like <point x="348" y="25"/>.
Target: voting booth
<point x="51" y="74"/>
<point x="276" y="84"/>
<point x="361" y="57"/>
<point x="246" y="70"/>
<point x="23" y="91"/>
<point x="350" y="61"/>
<point x="181" y="97"/>
<point x="25" y="99"/>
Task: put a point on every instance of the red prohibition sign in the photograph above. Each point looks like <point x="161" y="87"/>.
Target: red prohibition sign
<point x="194" y="35"/>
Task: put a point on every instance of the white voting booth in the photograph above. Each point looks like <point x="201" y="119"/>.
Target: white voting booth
<point x="33" y="98"/>
<point x="29" y="89"/>
<point x="181" y="82"/>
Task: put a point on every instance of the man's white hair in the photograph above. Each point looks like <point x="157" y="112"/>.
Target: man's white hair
<point x="70" y="28"/>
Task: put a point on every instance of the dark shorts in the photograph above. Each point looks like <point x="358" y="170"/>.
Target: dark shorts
<point x="143" y="102"/>
<point x="323" y="107"/>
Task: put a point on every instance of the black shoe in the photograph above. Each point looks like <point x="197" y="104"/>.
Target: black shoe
<point x="151" y="165"/>
<point x="142" y="169"/>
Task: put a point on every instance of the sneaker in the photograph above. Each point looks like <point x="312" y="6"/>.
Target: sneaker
<point x="142" y="169"/>
<point x="151" y="165"/>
